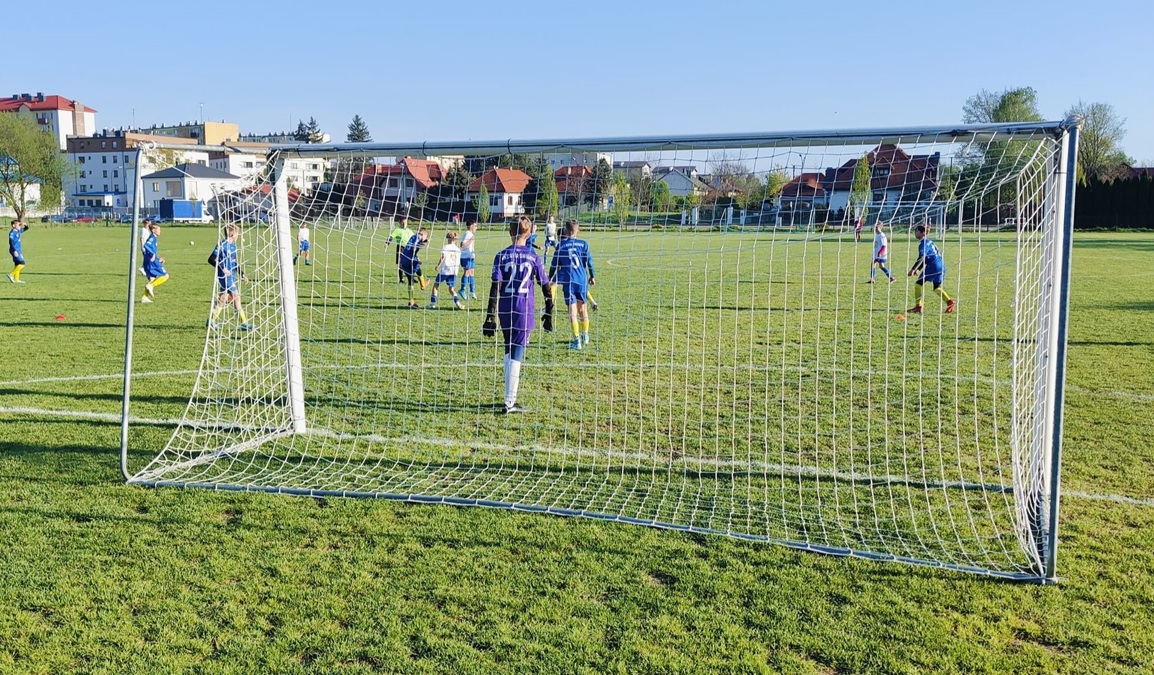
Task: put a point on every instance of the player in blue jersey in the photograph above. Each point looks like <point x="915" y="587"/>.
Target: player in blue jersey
<point x="19" y="227"/>
<point x="931" y="267"/>
<point x="515" y="271"/>
<point x="410" y="262"/>
<point x="153" y="264"/>
<point x="228" y="275"/>
<point x="572" y="272"/>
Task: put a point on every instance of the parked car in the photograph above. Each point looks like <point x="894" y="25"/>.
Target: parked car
<point x="57" y="218"/>
<point x="84" y="219"/>
<point x="126" y="218"/>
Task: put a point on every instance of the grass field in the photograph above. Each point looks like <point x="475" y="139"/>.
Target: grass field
<point x="101" y="576"/>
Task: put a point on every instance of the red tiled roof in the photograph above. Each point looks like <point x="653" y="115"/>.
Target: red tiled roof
<point x="10" y="104"/>
<point x="804" y="185"/>
<point x="512" y="181"/>
<point x="572" y="178"/>
<point x="265" y="189"/>
<point x="908" y="173"/>
<point x="426" y="172"/>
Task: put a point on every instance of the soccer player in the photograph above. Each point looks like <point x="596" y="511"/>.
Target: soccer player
<point x="410" y="263"/>
<point x="881" y="252"/>
<point x="572" y="271"/>
<point x="227" y="273"/>
<point x="515" y="270"/>
<point x="931" y="267"/>
<point x="447" y="269"/>
<point x="303" y="244"/>
<point x="469" y="260"/>
<point x="19" y="227"/>
<point x="857" y="230"/>
<point x="400" y="235"/>
<point x="550" y="234"/>
<point x="153" y="264"/>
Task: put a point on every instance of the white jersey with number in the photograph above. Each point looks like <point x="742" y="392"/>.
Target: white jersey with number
<point x="450" y="260"/>
<point x="467" y="244"/>
<point x="303" y="234"/>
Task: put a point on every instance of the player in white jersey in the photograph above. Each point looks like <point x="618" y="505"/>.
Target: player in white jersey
<point x="447" y="270"/>
<point x="881" y="253"/>
<point x="469" y="260"/>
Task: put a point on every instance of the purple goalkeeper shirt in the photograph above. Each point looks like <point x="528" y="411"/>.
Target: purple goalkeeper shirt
<point x="519" y="270"/>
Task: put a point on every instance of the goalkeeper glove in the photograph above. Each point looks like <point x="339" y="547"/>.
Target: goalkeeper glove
<point x="547" y="320"/>
<point x="489" y="328"/>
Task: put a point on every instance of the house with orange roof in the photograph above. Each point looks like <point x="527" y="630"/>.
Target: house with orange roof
<point x="506" y="188"/>
<point x="574" y="183"/>
<point x="897" y="179"/>
<point x="804" y="194"/>
<point x="395" y="187"/>
<point x="60" y="116"/>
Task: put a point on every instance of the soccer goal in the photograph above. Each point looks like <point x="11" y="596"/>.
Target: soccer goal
<point x="742" y="376"/>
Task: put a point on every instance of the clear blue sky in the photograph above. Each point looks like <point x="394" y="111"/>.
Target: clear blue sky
<point x="457" y="70"/>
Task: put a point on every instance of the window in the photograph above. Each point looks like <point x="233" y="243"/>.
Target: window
<point x="104" y="159"/>
<point x="156" y="187"/>
<point x="115" y="143"/>
<point x="84" y="188"/>
<point x="510" y="202"/>
<point x="172" y="189"/>
<point x="495" y="201"/>
<point x="105" y="173"/>
<point x="106" y="187"/>
<point x="126" y="159"/>
<point x="103" y="143"/>
<point x="392" y="183"/>
<point x="881" y="172"/>
<point x="81" y="159"/>
<point x="879" y="196"/>
<point x="116" y="173"/>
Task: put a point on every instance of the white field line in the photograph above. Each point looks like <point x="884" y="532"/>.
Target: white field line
<point x="686" y="462"/>
<point x="1093" y="393"/>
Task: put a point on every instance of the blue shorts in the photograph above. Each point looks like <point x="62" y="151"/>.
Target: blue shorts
<point x="17" y="258"/>
<point x="154" y="270"/>
<point x="574" y="293"/>
<point x="446" y="279"/>
<point x="468" y="263"/>
<point x="411" y="268"/>
<point x="227" y="284"/>
<point x="304" y="246"/>
<point x="935" y="278"/>
<point x="880" y="261"/>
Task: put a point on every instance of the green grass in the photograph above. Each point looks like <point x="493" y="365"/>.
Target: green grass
<point x="99" y="576"/>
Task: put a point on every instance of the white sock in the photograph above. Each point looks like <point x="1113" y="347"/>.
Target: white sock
<point x="512" y="379"/>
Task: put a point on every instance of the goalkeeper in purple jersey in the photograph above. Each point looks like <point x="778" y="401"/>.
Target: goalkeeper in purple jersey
<point x="515" y="271"/>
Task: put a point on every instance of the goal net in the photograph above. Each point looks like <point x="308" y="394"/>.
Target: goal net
<point x="740" y="375"/>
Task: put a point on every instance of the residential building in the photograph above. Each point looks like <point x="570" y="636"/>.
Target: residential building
<point x="633" y="169"/>
<point x="106" y="170"/>
<point x="682" y="180"/>
<point x="804" y="194"/>
<point x="394" y="187"/>
<point x="897" y="179"/>
<point x="188" y="181"/>
<point x="574" y="184"/>
<point x="60" y="116"/>
<point x="205" y="133"/>
<point x="506" y="188"/>
<point x="557" y="160"/>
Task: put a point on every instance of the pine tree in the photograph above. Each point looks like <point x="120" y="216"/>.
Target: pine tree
<point x="358" y="131"/>
<point x="314" y="131"/>
<point x="302" y="133"/>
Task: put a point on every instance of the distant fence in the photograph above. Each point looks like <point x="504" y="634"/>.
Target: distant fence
<point x="1122" y="204"/>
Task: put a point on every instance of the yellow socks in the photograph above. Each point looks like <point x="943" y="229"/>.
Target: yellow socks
<point x="16" y="272"/>
<point x="576" y="329"/>
<point x="942" y="292"/>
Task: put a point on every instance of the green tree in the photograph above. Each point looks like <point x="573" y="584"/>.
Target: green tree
<point x="29" y="156"/>
<point x="859" y="191"/>
<point x="315" y="135"/>
<point x="775" y="182"/>
<point x="988" y="170"/>
<point x="547" y="198"/>
<point x="660" y="198"/>
<point x="481" y="202"/>
<point x="1019" y="104"/>
<point x="600" y="182"/>
<point x="456" y="182"/>
<point x="1099" y="156"/>
<point x="622" y="198"/>
<point x="358" y="131"/>
<point x="302" y="132"/>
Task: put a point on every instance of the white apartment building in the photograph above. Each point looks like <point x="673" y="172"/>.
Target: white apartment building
<point x="105" y="167"/>
<point x="61" y="116"/>
<point x="197" y="182"/>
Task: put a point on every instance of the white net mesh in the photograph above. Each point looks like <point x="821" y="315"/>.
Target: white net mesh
<point x="740" y="378"/>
